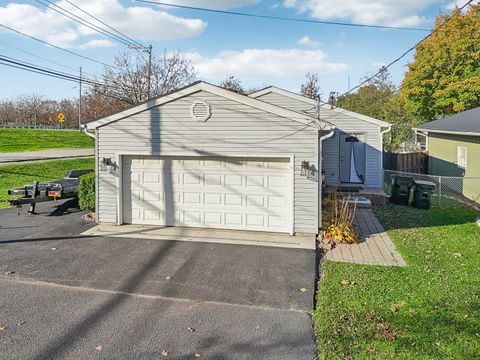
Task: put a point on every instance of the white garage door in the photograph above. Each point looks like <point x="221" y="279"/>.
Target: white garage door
<point x="229" y="193"/>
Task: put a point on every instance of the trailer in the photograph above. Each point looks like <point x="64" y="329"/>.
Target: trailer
<point x="37" y="192"/>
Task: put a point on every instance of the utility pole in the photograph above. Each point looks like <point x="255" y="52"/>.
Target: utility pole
<point x="80" y="102"/>
<point x="147" y="49"/>
<point x="149" y="70"/>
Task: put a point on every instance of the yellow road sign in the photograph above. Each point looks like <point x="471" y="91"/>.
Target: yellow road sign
<point x="61" y="117"/>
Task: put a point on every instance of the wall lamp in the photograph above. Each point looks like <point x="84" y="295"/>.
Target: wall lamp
<point x="310" y="171"/>
<point x="106" y="161"/>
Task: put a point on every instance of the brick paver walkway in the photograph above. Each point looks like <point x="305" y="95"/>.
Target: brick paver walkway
<point x="374" y="248"/>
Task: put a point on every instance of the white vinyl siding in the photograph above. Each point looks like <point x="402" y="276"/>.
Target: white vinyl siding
<point x="233" y="130"/>
<point x="331" y="146"/>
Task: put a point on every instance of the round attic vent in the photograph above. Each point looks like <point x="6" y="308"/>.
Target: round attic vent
<point x="201" y="111"/>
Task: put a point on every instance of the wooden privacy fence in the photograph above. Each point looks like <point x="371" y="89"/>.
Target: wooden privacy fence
<point x="411" y="162"/>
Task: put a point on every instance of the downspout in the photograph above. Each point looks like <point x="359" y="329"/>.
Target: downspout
<point x="85" y="131"/>
<point x="320" y="166"/>
<point x="423" y="134"/>
<point x="388" y="129"/>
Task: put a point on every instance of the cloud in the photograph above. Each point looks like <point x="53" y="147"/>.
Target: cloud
<point x="308" y="42"/>
<point x="458" y="3"/>
<point x="215" y="4"/>
<point x="96" y="43"/>
<point x="373" y="12"/>
<point x="254" y="64"/>
<point x="141" y="23"/>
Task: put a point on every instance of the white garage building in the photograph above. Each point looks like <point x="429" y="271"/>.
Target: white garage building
<point x="207" y="157"/>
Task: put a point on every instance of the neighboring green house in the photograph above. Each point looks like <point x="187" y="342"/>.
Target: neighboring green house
<point x="453" y="145"/>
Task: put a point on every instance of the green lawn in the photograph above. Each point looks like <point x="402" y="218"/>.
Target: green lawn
<point x="427" y="310"/>
<point x="12" y="176"/>
<point x="17" y="140"/>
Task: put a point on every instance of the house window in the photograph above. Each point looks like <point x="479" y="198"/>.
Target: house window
<point x="462" y="157"/>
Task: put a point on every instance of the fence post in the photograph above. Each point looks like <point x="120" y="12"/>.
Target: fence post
<point x="439" y="191"/>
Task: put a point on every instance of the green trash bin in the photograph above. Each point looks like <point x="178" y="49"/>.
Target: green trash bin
<point x="422" y="194"/>
<point x="401" y="187"/>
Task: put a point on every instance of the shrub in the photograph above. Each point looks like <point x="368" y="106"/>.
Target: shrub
<point x="337" y="220"/>
<point x="86" y="192"/>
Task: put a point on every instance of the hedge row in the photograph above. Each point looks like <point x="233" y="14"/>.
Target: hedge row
<point x="86" y="192"/>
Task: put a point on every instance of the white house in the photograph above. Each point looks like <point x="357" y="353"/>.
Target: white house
<point x="204" y="156"/>
<point x="353" y="156"/>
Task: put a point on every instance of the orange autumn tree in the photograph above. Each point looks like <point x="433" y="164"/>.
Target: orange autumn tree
<point x="444" y="77"/>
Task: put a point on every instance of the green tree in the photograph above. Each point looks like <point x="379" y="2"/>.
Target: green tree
<point x="379" y="99"/>
<point x="444" y="77"/>
<point x="372" y="98"/>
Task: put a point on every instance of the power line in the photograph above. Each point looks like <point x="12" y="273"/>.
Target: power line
<point x="9" y="61"/>
<point x="83" y="22"/>
<point x="22" y="65"/>
<point x="281" y="18"/>
<point x="41" y="57"/>
<point x="58" y="47"/>
<point x="407" y="51"/>
<point x="104" y="23"/>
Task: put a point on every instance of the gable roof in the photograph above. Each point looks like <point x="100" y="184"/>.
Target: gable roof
<point x="464" y="123"/>
<point x="213" y="89"/>
<point x="306" y="100"/>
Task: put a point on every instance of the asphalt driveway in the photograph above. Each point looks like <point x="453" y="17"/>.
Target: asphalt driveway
<point x="73" y="297"/>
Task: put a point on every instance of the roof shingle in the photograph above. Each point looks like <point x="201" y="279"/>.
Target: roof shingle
<point x="466" y="122"/>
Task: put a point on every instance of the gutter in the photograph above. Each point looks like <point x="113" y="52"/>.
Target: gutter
<point x="425" y="134"/>
<point x="84" y="129"/>
<point x="388" y="129"/>
<point x="320" y="165"/>
<point x="465" y="133"/>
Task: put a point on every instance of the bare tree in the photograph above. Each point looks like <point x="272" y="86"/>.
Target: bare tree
<point x="127" y="81"/>
<point x="233" y="84"/>
<point x="32" y="109"/>
<point x="311" y="87"/>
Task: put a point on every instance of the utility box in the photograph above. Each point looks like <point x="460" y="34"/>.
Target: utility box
<point x="401" y="187"/>
<point x="422" y="194"/>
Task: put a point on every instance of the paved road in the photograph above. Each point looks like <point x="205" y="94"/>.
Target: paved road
<point x="44" y="155"/>
<point x="136" y="298"/>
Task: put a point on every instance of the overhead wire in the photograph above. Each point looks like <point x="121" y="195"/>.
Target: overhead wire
<point x="58" y="47"/>
<point x="43" y="58"/>
<point x="280" y="18"/>
<point x="60" y="10"/>
<point x="103" y="22"/>
<point x="405" y="53"/>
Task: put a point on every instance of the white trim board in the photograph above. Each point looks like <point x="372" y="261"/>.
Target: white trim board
<point x="463" y="133"/>
<point x="292" y="95"/>
<point x="119" y="157"/>
<point x="203" y="86"/>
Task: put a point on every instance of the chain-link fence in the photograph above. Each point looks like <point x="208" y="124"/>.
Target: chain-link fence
<point x="448" y="189"/>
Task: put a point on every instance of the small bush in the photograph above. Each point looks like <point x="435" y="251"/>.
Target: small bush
<point x="86" y="192"/>
<point x="337" y="220"/>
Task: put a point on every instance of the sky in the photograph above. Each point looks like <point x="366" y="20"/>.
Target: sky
<point x="259" y="52"/>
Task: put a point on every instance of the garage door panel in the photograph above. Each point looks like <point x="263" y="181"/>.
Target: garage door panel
<point x="213" y="218"/>
<point x="233" y="220"/>
<point x="192" y="198"/>
<point x="212" y="179"/>
<point x="219" y="193"/>
<point x="233" y="180"/>
<point x="213" y="199"/>
<point x="255" y="201"/>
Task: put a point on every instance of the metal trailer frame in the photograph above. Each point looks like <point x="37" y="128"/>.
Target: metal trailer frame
<point x="36" y="192"/>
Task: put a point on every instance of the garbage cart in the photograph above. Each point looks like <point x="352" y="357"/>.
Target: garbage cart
<point x="422" y="194"/>
<point x="401" y="187"/>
